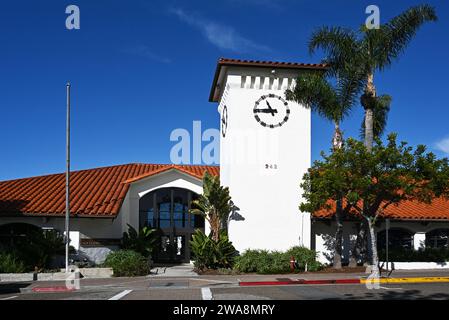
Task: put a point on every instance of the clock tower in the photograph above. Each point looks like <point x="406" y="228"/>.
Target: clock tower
<point x="265" y="149"/>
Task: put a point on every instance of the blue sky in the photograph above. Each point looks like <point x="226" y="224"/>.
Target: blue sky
<point x="140" y="69"/>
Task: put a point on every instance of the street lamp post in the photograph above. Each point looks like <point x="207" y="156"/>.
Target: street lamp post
<point x="387" y="227"/>
<point x="67" y="182"/>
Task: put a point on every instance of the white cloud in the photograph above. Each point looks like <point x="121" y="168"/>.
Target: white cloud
<point x="443" y="145"/>
<point x="222" y="36"/>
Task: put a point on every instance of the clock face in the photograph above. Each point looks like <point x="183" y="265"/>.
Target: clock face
<point x="271" y="111"/>
<point x="224" y="121"/>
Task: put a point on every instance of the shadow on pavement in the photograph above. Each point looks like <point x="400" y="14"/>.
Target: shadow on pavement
<point x="394" y="295"/>
<point x="7" y="288"/>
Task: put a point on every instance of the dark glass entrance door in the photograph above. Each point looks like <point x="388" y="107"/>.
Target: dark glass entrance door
<point x="167" y="209"/>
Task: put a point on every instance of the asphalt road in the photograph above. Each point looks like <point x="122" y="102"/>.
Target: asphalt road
<point x="184" y="289"/>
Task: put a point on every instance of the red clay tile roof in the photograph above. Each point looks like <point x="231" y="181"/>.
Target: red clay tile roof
<point x="222" y="62"/>
<point x="408" y="210"/>
<point x="270" y="64"/>
<point x="95" y="192"/>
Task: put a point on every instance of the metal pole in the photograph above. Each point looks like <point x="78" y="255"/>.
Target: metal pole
<point x="387" y="227"/>
<point x="67" y="182"/>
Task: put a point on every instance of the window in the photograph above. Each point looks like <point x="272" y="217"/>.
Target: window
<point x="168" y="208"/>
<point x="398" y="238"/>
<point x="438" y="238"/>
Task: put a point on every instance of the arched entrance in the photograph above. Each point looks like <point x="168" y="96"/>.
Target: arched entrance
<point x="13" y="234"/>
<point x="167" y="209"/>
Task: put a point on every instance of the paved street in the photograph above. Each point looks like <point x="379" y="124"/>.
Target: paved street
<point x="223" y="288"/>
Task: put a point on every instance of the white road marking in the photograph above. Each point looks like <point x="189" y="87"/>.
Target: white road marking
<point x="9" y="298"/>
<point x="206" y="293"/>
<point x="209" y="280"/>
<point x="120" y="295"/>
<point x="390" y="288"/>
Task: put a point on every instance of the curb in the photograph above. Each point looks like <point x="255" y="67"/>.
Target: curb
<point x="299" y="281"/>
<point x="345" y="281"/>
<point x="409" y="280"/>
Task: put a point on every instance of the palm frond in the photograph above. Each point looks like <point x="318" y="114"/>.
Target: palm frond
<point x="394" y="36"/>
<point x="313" y="91"/>
<point x="339" y="44"/>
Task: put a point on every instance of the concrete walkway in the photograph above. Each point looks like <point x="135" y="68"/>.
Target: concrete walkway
<point x="181" y="270"/>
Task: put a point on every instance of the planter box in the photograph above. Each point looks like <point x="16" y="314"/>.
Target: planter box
<point x="54" y="276"/>
<point x="94" y="273"/>
<point x="416" y="265"/>
<point x="16" y="277"/>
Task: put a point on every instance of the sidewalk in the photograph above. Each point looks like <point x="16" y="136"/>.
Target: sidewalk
<point x="183" y="279"/>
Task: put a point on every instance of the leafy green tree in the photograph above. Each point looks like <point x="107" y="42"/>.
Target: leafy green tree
<point x="333" y="102"/>
<point x="369" y="51"/>
<point x="214" y="204"/>
<point x="144" y="241"/>
<point x="370" y="182"/>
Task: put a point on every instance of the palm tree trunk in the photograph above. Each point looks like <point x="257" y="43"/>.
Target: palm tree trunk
<point x="337" y="144"/>
<point x="367" y="103"/>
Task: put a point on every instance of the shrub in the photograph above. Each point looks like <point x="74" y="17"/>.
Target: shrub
<point x="127" y="263"/>
<point x="10" y="264"/>
<point x="33" y="246"/>
<point x="209" y="254"/>
<point x="144" y="241"/>
<point x="271" y="262"/>
<point x="250" y="260"/>
<point x="304" y="256"/>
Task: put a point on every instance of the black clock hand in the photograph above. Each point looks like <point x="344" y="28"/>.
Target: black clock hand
<point x="270" y="108"/>
<point x="266" y="111"/>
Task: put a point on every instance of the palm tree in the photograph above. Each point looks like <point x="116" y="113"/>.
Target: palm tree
<point x="314" y="91"/>
<point x="214" y="204"/>
<point x="370" y="50"/>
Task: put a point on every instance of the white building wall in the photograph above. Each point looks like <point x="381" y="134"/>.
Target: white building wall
<point x="268" y="198"/>
<point x="323" y="233"/>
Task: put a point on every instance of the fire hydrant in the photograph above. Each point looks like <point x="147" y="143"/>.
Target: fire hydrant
<point x="292" y="264"/>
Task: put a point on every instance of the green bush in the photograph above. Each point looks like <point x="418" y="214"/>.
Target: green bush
<point x="127" y="263"/>
<point x="304" y="256"/>
<point x="10" y="264"/>
<point x="31" y="245"/>
<point x="410" y="255"/>
<point x="271" y="262"/>
<point x="143" y="241"/>
<point x="208" y="254"/>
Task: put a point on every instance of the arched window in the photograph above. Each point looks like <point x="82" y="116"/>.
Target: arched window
<point x="167" y="208"/>
<point x="398" y="238"/>
<point x="438" y="238"/>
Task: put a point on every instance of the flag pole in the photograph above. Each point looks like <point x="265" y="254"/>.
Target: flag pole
<point x="67" y="182"/>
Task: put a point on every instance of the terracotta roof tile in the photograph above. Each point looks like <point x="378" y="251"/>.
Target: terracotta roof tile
<point x="226" y="62"/>
<point x="270" y="64"/>
<point x="95" y="192"/>
<point x="407" y="210"/>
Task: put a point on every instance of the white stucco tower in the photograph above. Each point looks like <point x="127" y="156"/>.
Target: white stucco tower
<point x="265" y="149"/>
